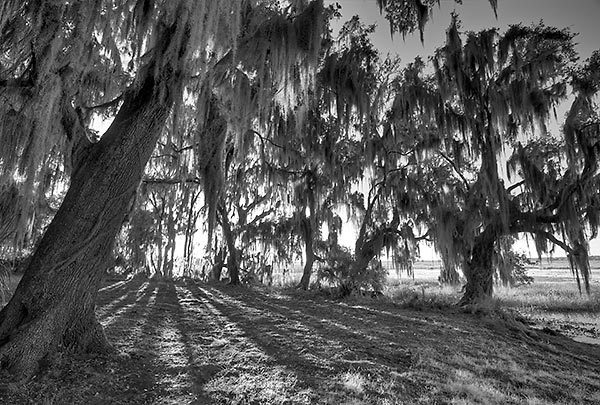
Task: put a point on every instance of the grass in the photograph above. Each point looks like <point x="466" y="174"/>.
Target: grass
<point x="553" y="303"/>
<point x="542" y="296"/>
<point x="187" y="342"/>
<point x="551" y="297"/>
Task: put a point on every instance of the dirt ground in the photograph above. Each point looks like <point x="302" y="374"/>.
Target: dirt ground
<point x="193" y="343"/>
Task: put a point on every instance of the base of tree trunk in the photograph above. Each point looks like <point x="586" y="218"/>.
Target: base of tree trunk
<point x="479" y="270"/>
<point x="479" y="288"/>
<point x="30" y="339"/>
<point x="304" y="283"/>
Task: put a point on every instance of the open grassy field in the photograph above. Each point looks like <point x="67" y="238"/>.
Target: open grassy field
<point x="187" y="342"/>
<point x="553" y="301"/>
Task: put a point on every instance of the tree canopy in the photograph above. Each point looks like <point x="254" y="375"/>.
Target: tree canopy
<point x="279" y="125"/>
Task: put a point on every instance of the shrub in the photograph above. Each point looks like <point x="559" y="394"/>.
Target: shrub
<point x="339" y="271"/>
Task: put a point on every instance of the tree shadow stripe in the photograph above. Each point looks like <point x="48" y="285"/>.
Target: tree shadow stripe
<point x="355" y="345"/>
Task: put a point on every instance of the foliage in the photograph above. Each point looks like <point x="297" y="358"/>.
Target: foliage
<point x="489" y="93"/>
<point x="138" y="238"/>
<point x="407" y="16"/>
<point x="337" y="270"/>
<point x="511" y="267"/>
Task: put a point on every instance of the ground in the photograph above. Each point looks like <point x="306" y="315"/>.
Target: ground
<point x="187" y="342"/>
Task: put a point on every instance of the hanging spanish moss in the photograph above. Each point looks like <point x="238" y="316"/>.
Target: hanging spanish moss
<point x="492" y="93"/>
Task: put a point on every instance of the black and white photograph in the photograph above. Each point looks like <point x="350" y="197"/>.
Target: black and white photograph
<point x="299" y="202"/>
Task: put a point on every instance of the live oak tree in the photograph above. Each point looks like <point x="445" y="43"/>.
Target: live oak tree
<point x="54" y="303"/>
<point x="489" y="97"/>
<point x="138" y="62"/>
<point x="51" y="46"/>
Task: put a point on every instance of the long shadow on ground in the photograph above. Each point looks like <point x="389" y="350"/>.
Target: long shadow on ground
<point x="192" y="343"/>
<point x="322" y="338"/>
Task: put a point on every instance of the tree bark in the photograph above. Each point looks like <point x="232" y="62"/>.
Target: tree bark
<point x="310" y="253"/>
<point x="188" y="251"/>
<point x="169" y="260"/>
<point x="449" y="275"/>
<point x="365" y="250"/>
<point x="363" y="257"/>
<point x="53" y="305"/>
<point x="308" y="265"/>
<point x="479" y="270"/>
<point x="217" y="268"/>
<point x="233" y="262"/>
<point x="158" y="265"/>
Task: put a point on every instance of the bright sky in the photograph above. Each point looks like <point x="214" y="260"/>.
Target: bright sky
<point x="580" y="16"/>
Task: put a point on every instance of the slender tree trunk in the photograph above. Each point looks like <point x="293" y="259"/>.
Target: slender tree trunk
<point x="190" y="258"/>
<point x="479" y="270"/>
<point x="233" y="265"/>
<point x="310" y="254"/>
<point x="53" y="306"/>
<point x="186" y="254"/>
<point x="308" y="265"/>
<point x="168" y="263"/>
<point x="233" y="259"/>
<point x="215" y="272"/>
<point x="158" y="267"/>
<point x="189" y="236"/>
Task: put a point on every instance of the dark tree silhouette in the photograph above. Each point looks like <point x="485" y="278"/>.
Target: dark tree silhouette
<point x="492" y="94"/>
<point x="53" y="305"/>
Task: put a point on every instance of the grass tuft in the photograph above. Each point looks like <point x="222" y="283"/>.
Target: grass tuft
<point x="353" y="381"/>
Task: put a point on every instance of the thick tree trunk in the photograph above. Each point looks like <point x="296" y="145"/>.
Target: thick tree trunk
<point x="53" y="306"/>
<point x="479" y="270"/>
